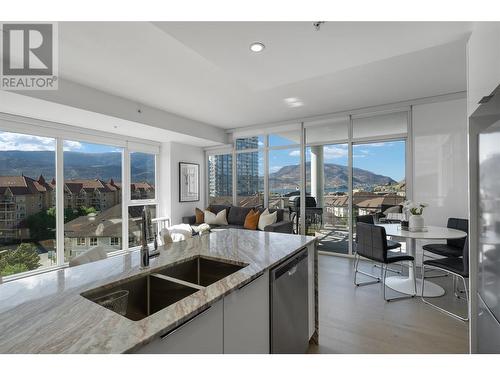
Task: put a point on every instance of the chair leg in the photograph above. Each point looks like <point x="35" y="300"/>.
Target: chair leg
<point x="389" y="269"/>
<point x="414" y="265"/>
<point x="444" y="274"/>
<point x="356" y="270"/>
<point x="405" y="296"/>
<point x="457" y="291"/>
<point x="453" y="315"/>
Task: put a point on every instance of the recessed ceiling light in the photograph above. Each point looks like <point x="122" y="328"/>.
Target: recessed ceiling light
<point x="257" y="47"/>
<point x="293" y="102"/>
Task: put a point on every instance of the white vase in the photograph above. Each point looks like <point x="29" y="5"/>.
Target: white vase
<point x="416" y="222"/>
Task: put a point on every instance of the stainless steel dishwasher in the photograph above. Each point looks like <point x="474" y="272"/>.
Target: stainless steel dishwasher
<point x="289" y="305"/>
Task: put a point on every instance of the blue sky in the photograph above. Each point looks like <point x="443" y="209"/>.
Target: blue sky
<point x="25" y="142"/>
<point x="384" y="158"/>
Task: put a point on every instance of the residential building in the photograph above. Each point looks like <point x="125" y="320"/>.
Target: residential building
<point x="22" y="196"/>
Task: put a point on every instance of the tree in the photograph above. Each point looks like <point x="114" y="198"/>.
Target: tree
<point x="24" y="258"/>
<point x="13" y="269"/>
<point x="42" y="225"/>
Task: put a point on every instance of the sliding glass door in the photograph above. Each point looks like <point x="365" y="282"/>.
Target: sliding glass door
<point x="327" y="182"/>
<point x="354" y="166"/>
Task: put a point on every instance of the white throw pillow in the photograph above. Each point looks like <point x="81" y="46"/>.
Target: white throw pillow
<point x="213" y="219"/>
<point x="266" y="219"/>
<point x="176" y="233"/>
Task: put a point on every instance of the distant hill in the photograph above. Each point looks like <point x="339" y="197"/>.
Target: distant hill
<point x="76" y="165"/>
<point x="336" y="176"/>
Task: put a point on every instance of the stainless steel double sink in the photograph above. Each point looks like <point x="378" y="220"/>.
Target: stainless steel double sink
<point x="144" y="295"/>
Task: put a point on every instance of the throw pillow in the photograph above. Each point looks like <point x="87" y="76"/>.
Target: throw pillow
<point x="266" y="219"/>
<point x="251" y="220"/>
<point x="213" y="219"/>
<point x="200" y="216"/>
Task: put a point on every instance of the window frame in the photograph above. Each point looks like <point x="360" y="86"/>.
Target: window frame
<point x="129" y="202"/>
<point x="342" y="119"/>
<point x="61" y="132"/>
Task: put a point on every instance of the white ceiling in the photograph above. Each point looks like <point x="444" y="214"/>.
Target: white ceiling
<point x="205" y="70"/>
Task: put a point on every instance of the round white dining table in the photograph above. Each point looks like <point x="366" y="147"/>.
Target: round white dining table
<point x="405" y="284"/>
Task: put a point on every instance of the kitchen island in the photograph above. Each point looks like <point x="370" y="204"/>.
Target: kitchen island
<point x="47" y="313"/>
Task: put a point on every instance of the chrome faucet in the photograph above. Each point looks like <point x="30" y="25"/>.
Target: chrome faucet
<point x="144" y="240"/>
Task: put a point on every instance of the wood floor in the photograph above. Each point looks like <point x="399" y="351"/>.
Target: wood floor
<point x="358" y="320"/>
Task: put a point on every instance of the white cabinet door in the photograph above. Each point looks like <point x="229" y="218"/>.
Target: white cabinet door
<point x="246" y="318"/>
<point x="200" y="335"/>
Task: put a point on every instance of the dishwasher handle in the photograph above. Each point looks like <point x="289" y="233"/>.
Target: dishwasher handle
<point x="289" y="267"/>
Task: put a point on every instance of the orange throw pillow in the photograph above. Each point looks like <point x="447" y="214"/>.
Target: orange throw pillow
<point x="252" y="220"/>
<point x="200" y="216"/>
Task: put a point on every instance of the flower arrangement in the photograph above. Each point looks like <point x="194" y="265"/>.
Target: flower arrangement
<point x="415" y="208"/>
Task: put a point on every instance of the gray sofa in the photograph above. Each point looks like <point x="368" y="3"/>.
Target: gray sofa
<point x="236" y="218"/>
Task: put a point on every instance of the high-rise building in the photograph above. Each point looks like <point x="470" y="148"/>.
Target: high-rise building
<point x="221" y="175"/>
<point x="247" y="167"/>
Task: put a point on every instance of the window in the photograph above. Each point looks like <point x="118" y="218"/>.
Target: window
<point x="142" y="176"/>
<point x="381" y="125"/>
<point x="250" y="143"/>
<point x="250" y="178"/>
<point x="328" y="131"/>
<point x="220" y="179"/>
<point x="284" y="176"/>
<point x="327" y="180"/>
<point x="91" y="194"/>
<point x="286" y="138"/>
<point x="378" y="177"/>
<point x="377" y="170"/>
<point x="135" y="224"/>
<point x="27" y="232"/>
<point x="92" y="172"/>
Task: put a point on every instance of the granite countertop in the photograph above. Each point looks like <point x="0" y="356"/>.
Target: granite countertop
<point x="46" y="313"/>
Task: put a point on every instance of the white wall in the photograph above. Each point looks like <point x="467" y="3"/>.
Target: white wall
<point x="171" y="154"/>
<point x="440" y="161"/>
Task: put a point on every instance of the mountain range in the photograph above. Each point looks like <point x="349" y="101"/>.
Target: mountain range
<point x="336" y="177"/>
<point x="108" y="165"/>
<point x="80" y="165"/>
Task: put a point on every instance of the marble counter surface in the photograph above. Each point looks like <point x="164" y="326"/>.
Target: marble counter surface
<point x="46" y="313"/>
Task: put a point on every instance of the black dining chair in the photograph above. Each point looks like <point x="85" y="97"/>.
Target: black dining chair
<point x="452" y="247"/>
<point x="372" y="244"/>
<point x="368" y="219"/>
<point x="456" y="266"/>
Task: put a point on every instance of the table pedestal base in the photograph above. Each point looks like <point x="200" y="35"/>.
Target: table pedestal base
<point x="405" y="285"/>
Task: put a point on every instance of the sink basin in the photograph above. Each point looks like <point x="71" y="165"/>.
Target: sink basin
<point x="146" y="295"/>
<point x="201" y="271"/>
